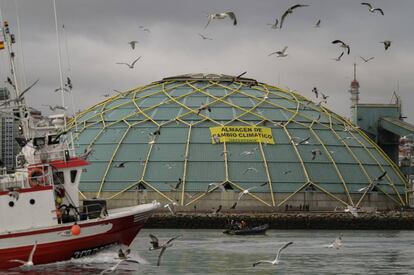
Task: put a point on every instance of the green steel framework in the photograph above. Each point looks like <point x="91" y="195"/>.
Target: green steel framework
<point x="303" y="115"/>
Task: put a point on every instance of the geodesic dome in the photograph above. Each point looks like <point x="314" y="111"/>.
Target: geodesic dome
<point x="162" y="138"/>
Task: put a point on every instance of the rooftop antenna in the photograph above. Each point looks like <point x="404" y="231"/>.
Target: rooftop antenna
<point x="354" y="91"/>
<point x="355" y="71"/>
<point x="396" y="95"/>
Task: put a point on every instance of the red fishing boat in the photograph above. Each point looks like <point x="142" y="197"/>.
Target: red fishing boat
<point x="41" y="219"/>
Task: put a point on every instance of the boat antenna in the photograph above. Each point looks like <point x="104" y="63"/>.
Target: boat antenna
<point x="69" y="72"/>
<point x="62" y="90"/>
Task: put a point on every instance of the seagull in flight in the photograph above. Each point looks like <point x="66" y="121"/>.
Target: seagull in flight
<point x="69" y="83"/>
<point x="318" y="24"/>
<point x="316" y="152"/>
<point x="381" y="177"/>
<point x="374" y="183"/>
<point x="113" y="268"/>
<point x="20" y="97"/>
<point x="324" y="98"/>
<point x="298" y="141"/>
<point x="237" y="78"/>
<point x="177" y="185"/>
<point x="363" y="189"/>
<point x="250" y="169"/>
<point x="274" y="26"/>
<point x="216" y="211"/>
<point x="10" y="82"/>
<point x="351" y="210"/>
<point x="214" y="185"/>
<point x="56" y="107"/>
<point x="156" y="245"/>
<point x="222" y="15"/>
<point x="387" y="44"/>
<point x="171" y="207"/>
<point x="366" y="59"/>
<point x="145" y="29"/>
<point x="205" y="37"/>
<point x="122" y="164"/>
<point x="342" y="45"/>
<point x="123" y="255"/>
<point x="132" y="44"/>
<point x="86" y="153"/>
<point x="203" y="107"/>
<point x="281" y="53"/>
<point x="169" y="166"/>
<point x="289" y="11"/>
<point x="372" y="9"/>
<point x="62" y="89"/>
<point x="246" y="191"/>
<point x="315" y="91"/>
<point x="339" y="57"/>
<point x="249" y="152"/>
<point x="348" y="128"/>
<point x="337" y="243"/>
<point x="276" y="260"/>
<point x="29" y="262"/>
<point x="216" y="139"/>
<point x="131" y="66"/>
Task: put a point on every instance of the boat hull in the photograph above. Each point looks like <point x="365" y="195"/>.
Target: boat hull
<point x="58" y="244"/>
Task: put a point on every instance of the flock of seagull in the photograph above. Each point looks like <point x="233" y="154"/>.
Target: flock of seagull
<point x="132" y="44"/>
<point x="124" y="256"/>
<point x="223" y="186"/>
<point x="278" y="24"/>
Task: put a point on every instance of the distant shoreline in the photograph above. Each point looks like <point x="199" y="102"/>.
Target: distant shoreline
<point x="291" y="220"/>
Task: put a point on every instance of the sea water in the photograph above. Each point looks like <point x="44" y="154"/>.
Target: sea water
<point x="212" y="252"/>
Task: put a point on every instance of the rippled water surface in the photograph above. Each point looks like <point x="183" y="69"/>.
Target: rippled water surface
<point x="212" y="252"/>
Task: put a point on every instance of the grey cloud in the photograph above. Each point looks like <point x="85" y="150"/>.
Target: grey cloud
<point x="98" y="32"/>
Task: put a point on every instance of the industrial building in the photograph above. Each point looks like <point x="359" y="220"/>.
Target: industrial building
<point x="9" y="131"/>
<point x="202" y="141"/>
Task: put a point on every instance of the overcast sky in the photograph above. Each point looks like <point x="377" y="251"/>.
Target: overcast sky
<point x="98" y="31"/>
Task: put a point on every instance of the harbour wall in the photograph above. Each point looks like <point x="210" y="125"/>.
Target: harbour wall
<point x="393" y="220"/>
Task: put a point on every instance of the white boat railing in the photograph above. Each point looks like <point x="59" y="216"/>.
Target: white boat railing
<point x="43" y="177"/>
<point x="47" y="156"/>
<point x="11" y="184"/>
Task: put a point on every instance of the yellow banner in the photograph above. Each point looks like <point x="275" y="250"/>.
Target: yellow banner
<point x="241" y="134"/>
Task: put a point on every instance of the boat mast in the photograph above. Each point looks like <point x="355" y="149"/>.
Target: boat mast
<point x="62" y="90"/>
<point x="20" y="44"/>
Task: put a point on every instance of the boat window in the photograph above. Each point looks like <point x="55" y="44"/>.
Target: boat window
<point x="39" y="141"/>
<point x="73" y="174"/>
<point x="53" y="139"/>
<point x="58" y="178"/>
